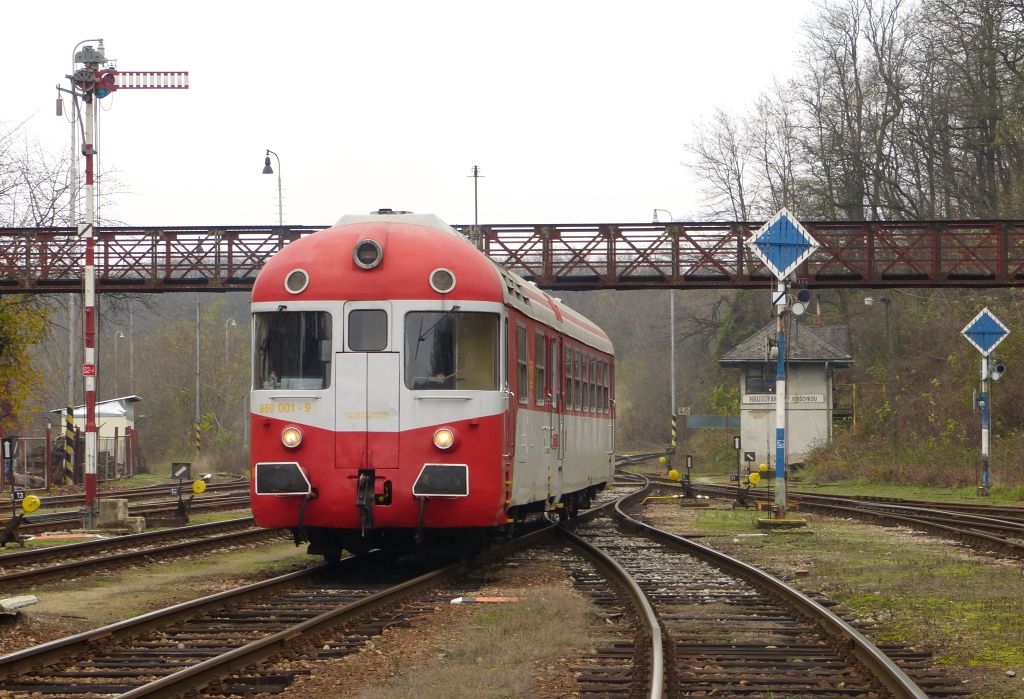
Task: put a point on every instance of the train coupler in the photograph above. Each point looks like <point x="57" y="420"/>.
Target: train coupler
<point x="365" y="500"/>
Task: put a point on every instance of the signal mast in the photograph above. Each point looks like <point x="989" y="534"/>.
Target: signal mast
<point x="93" y="81"/>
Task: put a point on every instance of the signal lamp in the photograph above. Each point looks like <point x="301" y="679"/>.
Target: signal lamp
<point x="291" y="437"/>
<point x="444" y="438"/>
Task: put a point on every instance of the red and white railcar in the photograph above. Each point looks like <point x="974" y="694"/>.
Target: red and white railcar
<point x="405" y="385"/>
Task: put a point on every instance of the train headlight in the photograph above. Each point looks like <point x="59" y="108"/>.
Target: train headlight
<point x="291" y="437"/>
<point x="367" y="253"/>
<point x="444" y="438"/>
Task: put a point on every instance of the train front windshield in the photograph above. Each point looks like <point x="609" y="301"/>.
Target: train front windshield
<point x="451" y="351"/>
<point x="292" y="350"/>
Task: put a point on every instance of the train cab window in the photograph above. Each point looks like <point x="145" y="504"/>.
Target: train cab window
<point x="292" y="350"/>
<point x="540" y="351"/>
<point x="522" y="359"/>
<point x="451" y="351"/>
<point x="367" y="330"/>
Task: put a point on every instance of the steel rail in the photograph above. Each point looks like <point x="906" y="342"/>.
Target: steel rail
<point x="143" y="538"/>
<point x="878" y="663"/>
<point x="221" y="666"/>
<point x="640" y="602"/>
<point x="200" y="546"/>
<point x="868" y="511"/>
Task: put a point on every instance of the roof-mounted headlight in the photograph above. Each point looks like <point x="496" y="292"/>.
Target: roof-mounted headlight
<point x="367" y="253"/>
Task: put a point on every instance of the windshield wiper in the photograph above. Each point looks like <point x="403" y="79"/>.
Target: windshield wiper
<point x="424" y="333"/>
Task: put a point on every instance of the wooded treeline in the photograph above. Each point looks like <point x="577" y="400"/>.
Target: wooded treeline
<point x="900" y="110"/>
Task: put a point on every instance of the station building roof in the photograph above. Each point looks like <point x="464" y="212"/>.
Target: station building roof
<point x="805" y="343"/>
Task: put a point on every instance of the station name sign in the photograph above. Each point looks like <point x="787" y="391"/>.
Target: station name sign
<point x="769" y="398"/>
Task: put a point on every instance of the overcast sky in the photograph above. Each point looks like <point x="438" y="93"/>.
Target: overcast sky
<point x="574" y="111"/>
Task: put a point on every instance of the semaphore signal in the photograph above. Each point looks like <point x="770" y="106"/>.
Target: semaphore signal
<point x="89" y="83"/>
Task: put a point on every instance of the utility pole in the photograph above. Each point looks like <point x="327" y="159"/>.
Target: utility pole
<point x="89" y="83"/>
<point x="477" y="238"/>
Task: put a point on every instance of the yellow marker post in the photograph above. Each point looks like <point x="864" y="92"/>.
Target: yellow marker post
<point x="30" y="504"/>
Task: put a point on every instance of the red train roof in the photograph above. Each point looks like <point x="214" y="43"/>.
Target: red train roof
<point x="413" y="246"/>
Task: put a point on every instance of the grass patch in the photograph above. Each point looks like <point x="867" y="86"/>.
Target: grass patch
<point x="499" y="653"/>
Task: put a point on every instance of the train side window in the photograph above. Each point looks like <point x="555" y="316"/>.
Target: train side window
<point x="451" y="350"/>
<point x="522" y="359"/>
<point x="585" y="381"/>
<point x="292" y="350"/>
<point x="576" y="379"/>
<point x="568" y="378"/>
<point x="599" y="382"/>
<point x="593" y="383"/>
<point x="607" y="380"/>
<point x="367" y="330"/>
<point x="554" y="373"/>
<point x="540" y="352"/>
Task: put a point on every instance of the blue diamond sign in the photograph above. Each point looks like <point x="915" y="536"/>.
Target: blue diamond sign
<point x="985" y="332"/>
<point x="782" y="244"/>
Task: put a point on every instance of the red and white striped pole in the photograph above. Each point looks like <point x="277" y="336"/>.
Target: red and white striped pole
<point x="87" y="231"/>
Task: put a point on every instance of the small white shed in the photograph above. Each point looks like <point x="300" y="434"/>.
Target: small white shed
<point x="814" y="353"/>
<point x="115" y="414"/>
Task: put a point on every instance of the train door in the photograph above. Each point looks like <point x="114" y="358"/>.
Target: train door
<point x="368" y="374"/>
<point x="556" y="420"/>
<point x="557" y="404"/>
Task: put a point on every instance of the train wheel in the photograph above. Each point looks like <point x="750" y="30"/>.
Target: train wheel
<point x="333" y="558"/>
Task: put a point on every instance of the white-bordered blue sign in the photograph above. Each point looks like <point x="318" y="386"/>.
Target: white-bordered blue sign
<point x="782" y="244"/>
<point x="985" y="332"/>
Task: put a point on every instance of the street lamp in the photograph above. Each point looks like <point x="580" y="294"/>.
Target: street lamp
<point x="671" y="355"/>
<point x="890" y="396"/>
<point x="229" y="323"/>
<point x="117" y="334"/>
<point x="267" y="170"/>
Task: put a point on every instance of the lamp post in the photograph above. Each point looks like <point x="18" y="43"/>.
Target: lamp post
<point x="229" y="323"/>
<point x="889" y="395"/>
<point x="671" y="356"/>
<point x="267" y="170"/>
<point x="117" y="334"/>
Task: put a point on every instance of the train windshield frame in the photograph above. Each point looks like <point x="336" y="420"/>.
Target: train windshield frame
<point x="292" y="350"/>
<point x="452" y="350"/>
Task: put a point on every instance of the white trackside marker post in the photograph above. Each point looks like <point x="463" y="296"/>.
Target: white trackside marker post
<point x="782" y="244"/>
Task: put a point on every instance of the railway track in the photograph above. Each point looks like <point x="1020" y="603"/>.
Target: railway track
<point x="140" y="493"/>
<point x="723" y="628"/>
<point x="37" y="565"/>
<point x="677" y="603"/>
<point x="1001" y="530"/>
<point x="58" y="521"/>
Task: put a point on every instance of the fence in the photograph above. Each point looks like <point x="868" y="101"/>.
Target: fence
<point x="38" y="462"/>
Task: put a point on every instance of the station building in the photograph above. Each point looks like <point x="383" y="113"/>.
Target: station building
<point x="814" y="352"/>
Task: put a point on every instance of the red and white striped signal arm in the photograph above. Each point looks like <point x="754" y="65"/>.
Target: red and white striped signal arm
<point x="150" y="79"/>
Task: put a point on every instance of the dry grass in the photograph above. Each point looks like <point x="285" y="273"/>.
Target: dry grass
<point x="504" y="652"/>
